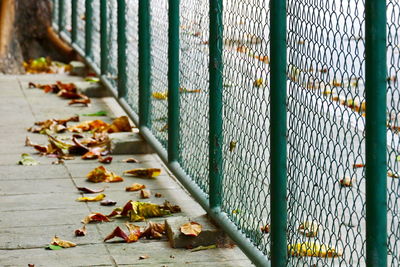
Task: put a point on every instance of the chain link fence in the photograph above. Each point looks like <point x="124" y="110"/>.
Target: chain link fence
<point x="326" y="108"/>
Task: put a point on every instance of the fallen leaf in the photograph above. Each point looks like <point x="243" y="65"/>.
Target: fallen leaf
<point x="143" y="257"/>
<point x="101" y="174"/>
<point x="83" y="101"/>
<point x="154" y="230"/>
<point x="31" y="265"/>
<point x="108" y="202"/>
<point x="130" y="160"/>
<point x="58" y="162"/>
<point x="134" y="233"/>
<point x="134" y="187"/>
<point x="27" y="160"/>
<point x="191" y="229"/>
<point x="62" y="243"/>
<point x="144" y="172"/>
<point x="158" y="195"/>
<point x="312" y="249"/>
<point x="106" y="160"/>
<point x="98" y="113"/>
<point x="160" y="95"/>
<point x="309" y="228"/>
<point x="89" y="190"/>
<point x="91" y="199"/>
<point x="53" y="247"/>
<point x="81" y="231"/>
<point x="92" y="79"/>
<point x="200" y="248"/>
<point x="172" y="208"/>
<point x="139" y="211"/>
<point x="120" y="124"/>
<point x="95" y="217"/>
<point x="145" y="193"/>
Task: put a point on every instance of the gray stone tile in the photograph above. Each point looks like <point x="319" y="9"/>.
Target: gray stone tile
<point x="20" y="172"/>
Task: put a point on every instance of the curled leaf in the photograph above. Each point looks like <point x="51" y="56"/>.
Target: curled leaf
<point x="191" y="229"/>
<point x="145" y="193"/>
<point x="101" y="174"/>
<point x="131" y="160"/>
<point x="81" y="231"/>
<point x="95" y="217"/>
<point x="106" y="160"/>
<point x="27" y="160"/>
<point x="62" y="243"/>
<point x="139" y="211"/>
<point x="108" y="202"/>
<point x="134" y="187"/>
<point x="133" y="236"/>
<point x="144" y="172"/>
<point x="200" y="248"/>
<point x="99" y="197"/>
<point x="172" y="208"/>
<point x="89" y="190"/>
<point x="83" y="101"/>
<point x="154" y="230"/>
<point x="312" y="249"/>
<point x="143" y="257"/>
<point x="120" y="124"/>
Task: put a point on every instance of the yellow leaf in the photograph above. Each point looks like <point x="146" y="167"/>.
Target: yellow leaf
<point x="144" y="172"/>
<point x="99" y="197"/>
<point x="312" y="249"/>
<point x="62" y="243"/>
<point x="258" y="82"/>
<point x="160" y="95"/>
<point x="135" y="187"/>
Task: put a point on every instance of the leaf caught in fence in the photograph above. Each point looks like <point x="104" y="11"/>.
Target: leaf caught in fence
<point x="309" y="228"/>
<point x="312" y="249"/>
<point x="160" y="95"/>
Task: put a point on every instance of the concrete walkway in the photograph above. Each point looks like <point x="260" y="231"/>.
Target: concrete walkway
<point x="38" y="202"/>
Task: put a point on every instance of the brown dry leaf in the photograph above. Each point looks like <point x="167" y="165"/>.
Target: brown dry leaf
<point x="120" y="124"/>
<point x="312" y="249"/>
<point x="89" y="190"/>
<point x="154" y="230"/>
<point x="358" y="165"/>
<point x="172" y="208"/>
<point x="134" y="233"/>
<point x="106" y="160"/>
<point x="62" y="243"/>
<point x="95" y="217"/>
<point x="143" y="257"/>
<point x="99" y="197"/>
<point x="131" y="160"/>
<point x="117" y="232"/>
<point x="134" y="187"/>
<point x="145" y="193"/>
<point x="144" y="172"/>
<point x="108" y="202"/>
<point x="83" y="101"/>
<point x="81" y="231"/>
<point x="265" y="229"/>
<point x="158" y="195"/>
<point x="392" y="175"/>
<point x="191" y="229"/>
<point x="309" y="228"/>
<point x="101" y="174"/>
<point x="94" y="126"/>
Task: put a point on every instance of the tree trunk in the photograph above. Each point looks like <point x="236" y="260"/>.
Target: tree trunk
<point x="25" y="33"/>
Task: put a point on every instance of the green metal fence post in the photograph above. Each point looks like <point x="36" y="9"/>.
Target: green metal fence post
<point x="375" y="135"/>
<point x="173" y="80"/>
<point x="103" y="37"/>
<point x="278" y="119"/>
<point x="61" y="11"/>
<point x="215" y="109"/>
<point x="122" y="45"/>
<point x="74" y="20"/>
<point x="88" y="28"/>
<point x="144" y="63"/>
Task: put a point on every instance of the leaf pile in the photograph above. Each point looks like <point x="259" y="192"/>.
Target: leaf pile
<point x="52" y="125"/>
<point x="312" y="249"/>
<point x="45" y="65"/>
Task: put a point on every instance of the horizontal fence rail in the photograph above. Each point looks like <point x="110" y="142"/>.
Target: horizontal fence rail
<point x="280" y="118"/>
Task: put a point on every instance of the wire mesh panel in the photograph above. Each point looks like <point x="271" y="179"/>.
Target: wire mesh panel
<point x="81" y="25"/>
<point x="55" y="12"/>
<point x="67" y="18"/>
<point x="326" y="185"/>
<point x="133" y="56"/>
<point x="112" y="45"/>
<point x="96" y="33"/>
<point x="393" y="111"/>
<point x="246" y="118"/>
<point x="159" y="71"/>
<point x="194" y="90"/>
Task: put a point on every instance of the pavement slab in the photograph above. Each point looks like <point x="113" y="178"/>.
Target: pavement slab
<point x="39" y="202"/>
